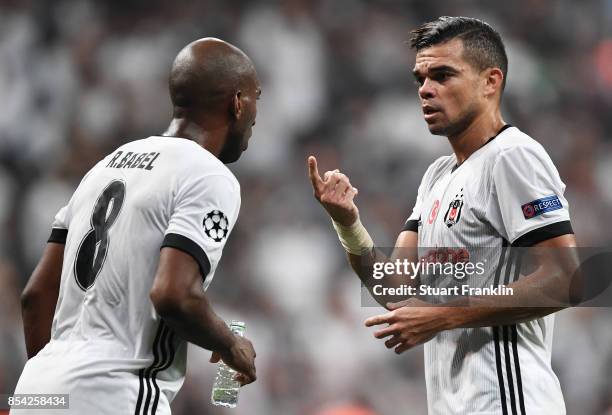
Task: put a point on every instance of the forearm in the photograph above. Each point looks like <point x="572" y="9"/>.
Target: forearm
<point x="533" y="296"/>
<point x="388" y="279"/>
<point x="195" y="321"/>
<point x="487" y="316"/>
<point x="382" y="289"/>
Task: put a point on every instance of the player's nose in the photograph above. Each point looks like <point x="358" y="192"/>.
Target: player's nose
<point x="426" y="90"/>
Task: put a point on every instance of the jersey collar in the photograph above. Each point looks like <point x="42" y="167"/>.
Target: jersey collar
<point x="501" y="130"/>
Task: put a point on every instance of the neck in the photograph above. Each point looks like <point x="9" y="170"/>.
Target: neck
<point x="482" y="128"/>
<point x="209" y="138"/>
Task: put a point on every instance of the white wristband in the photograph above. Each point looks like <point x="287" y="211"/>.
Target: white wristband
<point x="355" y="238"/>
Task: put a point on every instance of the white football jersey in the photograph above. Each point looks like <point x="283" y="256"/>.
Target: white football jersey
<point x="507" y="193"/>
<point x="109" y="349"/>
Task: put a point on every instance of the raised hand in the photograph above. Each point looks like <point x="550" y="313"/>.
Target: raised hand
<point x="335" y="192"/>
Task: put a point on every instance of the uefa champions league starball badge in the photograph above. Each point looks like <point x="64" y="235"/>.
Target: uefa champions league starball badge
<point x="216" y="225"/>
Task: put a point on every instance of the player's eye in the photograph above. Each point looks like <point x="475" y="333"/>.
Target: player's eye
<point x="418" y="81"/>
<point x="441" y="77"/>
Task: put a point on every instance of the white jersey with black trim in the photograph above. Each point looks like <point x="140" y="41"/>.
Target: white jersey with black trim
<point x="109" y="349"/>
<point x="508" y="192"/>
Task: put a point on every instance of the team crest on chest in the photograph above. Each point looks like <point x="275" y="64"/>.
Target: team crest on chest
<point x="453" y="214"/>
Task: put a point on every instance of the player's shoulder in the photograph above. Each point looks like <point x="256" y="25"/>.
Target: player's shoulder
<point x="196" y="159"/>
<point x="512" y="142"/>
<point x="439" y="166"/>
<point x="517" y="151"/>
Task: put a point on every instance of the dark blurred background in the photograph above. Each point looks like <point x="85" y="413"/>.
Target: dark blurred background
<point x="78" y="78"/>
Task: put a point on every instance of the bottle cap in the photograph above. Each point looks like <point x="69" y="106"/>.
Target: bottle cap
<point x="238" y="326"/>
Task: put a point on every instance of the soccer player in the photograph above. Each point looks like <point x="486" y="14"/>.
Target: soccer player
<point x="498" y="188"/>
<point x="107" y="315"/>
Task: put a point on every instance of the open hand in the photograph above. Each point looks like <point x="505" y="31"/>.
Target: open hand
<point x="410" y="323"/>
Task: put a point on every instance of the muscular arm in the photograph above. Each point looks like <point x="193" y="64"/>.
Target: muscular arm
<point x="548" y="289"/>
<point x="335" y="193"/>
<point x="405" y="248"/>
<point x="178" y="297"/>
<point x="39" y="298"/>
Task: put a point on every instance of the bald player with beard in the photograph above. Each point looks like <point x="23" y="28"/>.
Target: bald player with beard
<point x="120" y="288"/>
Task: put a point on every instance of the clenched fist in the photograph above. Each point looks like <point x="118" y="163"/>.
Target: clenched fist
<point x="335" y="192"/>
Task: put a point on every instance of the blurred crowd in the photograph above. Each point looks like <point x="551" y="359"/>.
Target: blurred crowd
<point x="78" y="78"/>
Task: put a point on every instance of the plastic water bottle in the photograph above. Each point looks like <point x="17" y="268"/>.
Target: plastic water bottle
<point x="225" y="389"/>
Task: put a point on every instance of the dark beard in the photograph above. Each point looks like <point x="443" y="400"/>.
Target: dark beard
<point x="454" y="129"/>
<point x="232" y="148"/>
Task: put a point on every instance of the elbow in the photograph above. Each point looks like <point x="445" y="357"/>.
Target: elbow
<point x="575" y="289"/>
<point x="575" y="295"/>
<point x="166" y="305"/>
<point x="28" y="299"/>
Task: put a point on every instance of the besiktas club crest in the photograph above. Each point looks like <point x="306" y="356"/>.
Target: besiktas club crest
<point x="453" y="214"/>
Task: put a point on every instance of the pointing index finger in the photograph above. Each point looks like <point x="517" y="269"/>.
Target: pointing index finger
<point x="313" y="173"/>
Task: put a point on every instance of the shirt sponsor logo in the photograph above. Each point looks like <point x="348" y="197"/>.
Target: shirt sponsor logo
<point x="540" y="206"/>
<point x="444" y="255"/>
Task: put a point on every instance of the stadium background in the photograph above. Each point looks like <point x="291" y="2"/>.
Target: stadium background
<point x="78" y="78"/>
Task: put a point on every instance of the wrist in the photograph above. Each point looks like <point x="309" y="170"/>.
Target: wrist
<point x="451" y="320"/>
<point x="227" y="341"/>
<point x="354" y="238"/>
<point x="228" y="352"/>
<point x="456" y="315"/>
<point x="346" y="219"/>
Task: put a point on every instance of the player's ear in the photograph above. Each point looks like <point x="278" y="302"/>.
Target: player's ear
<point x="493" y="78"/>
<point x="236" y="107"/>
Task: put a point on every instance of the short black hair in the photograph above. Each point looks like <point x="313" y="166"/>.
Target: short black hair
<point x="483" y="46"/>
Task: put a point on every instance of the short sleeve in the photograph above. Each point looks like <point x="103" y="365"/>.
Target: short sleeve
<point x="59" y="228"/>
<point x="527" y="205"/>
<point x="61" y="222"/>
<point x="205" y="212"/>
<point x="412" y="223"/>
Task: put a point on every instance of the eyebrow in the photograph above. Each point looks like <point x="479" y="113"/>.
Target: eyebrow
<point x="436" y="69"/>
